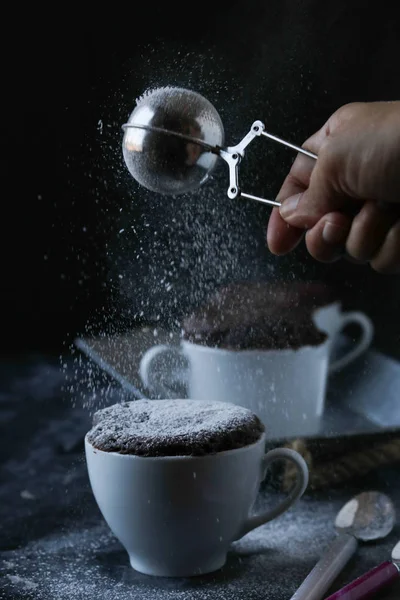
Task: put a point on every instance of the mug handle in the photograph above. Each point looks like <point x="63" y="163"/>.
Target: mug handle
<point x="296" y="492"/>
<point x="367" y="334"/>
<point x="162" y="368"/>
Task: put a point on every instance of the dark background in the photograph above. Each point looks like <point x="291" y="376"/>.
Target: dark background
<point x="69" y="81"/>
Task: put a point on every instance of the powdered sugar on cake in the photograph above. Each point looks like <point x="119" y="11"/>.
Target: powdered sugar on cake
<point x="173" y="428"/>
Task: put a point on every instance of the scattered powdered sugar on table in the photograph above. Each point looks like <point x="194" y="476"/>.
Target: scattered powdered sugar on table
<point x="23" y="583"/>
<point x="89" y="563"/>
<point x="173" y="427"/>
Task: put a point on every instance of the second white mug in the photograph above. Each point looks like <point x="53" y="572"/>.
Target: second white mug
<point x="285" y="388"/>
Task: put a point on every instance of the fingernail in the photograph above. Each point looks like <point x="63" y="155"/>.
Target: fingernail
<point x="333" y="234"/>
<point x="289" y="206"/>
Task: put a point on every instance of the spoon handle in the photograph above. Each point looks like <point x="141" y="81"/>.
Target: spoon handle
<point x="369" y="584"/>
<point x="327" y="569"/>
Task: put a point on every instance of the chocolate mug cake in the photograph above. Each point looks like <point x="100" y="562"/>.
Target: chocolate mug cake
<point x="173" y="428"/>
<point x="177" y="481"/>
<point x="262" y="316"/>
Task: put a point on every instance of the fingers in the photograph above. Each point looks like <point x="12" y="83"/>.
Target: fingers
<point x="299" y="176"/>
<point x="388" y="258"/>
<point x="281" y="237"/>
<point x="327" y="239"/>
<point x="369" y="230"/>
<point x="373" y="236"/>
<point x="322" y="196"/>
<point x="328" y="198"/>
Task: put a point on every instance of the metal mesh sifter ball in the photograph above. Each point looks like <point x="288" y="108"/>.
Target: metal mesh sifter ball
<point x="169" y="140"/>
<point x="174" y="137"/>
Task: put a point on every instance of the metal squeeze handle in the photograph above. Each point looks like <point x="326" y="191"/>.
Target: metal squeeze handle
<point x="327" y="569"/>
<point x="369" y="584"/>
<point x="233" y="155"/>
<point x="289" y="145"/>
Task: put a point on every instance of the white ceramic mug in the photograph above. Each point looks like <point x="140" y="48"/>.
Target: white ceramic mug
<point x="285" y="388"/>
<point x="177" y="516"/>
<point x="332" y="321"/>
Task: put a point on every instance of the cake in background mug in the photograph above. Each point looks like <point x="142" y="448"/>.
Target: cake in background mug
<point x="266" y="347"/>
<point x="176" y="480"/>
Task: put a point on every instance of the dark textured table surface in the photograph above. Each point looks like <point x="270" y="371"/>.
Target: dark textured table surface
<point x="54" y="543"/>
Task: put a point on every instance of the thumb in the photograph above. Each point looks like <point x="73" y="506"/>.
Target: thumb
<point x="298" y="211"/>
<point x="303" y="210"/>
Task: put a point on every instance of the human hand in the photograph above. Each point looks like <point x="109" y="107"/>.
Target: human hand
<point x="349" y="199"/>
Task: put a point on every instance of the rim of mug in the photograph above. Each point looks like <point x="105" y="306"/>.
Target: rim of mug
<point x="186" y="458"/>
<point x="216" y="349"/>
<point x="338" y="303"/>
